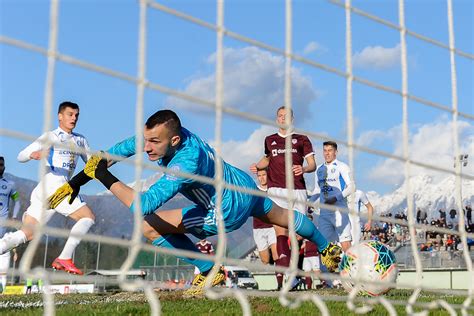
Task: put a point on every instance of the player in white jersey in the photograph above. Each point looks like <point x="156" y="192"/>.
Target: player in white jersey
<point x="7" y="192"/>
<point x="61" y="162"/>
<point x="333" y="185"/>
<point x="360" y="200"/>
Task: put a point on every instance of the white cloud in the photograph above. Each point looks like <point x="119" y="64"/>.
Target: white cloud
<point x="242" y="154"/>
<point x="312" y="47"/>
<point x="431" y="144"/>
<point x="369" y="137"/>
<point x="377" y="57"/>
<point x="253" y="82"/>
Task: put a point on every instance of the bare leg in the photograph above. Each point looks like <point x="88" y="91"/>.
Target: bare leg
<point x="273" y="249"/>
<point x="264" y="256"/>
<point x="29" y="223"/>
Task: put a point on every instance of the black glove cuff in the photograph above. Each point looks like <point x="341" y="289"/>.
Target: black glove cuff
<point x="106" y="178"/>
<point x="79" y="180"/>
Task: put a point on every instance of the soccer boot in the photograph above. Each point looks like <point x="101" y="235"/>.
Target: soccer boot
<point x="197" y="286"/>
<point x="296" y="284"/>
<point x="198" y="279"/>
<point x="331" y="256"/>
<point x="66" y="265"/>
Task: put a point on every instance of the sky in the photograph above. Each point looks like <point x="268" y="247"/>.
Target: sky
<point x="181" y="56"/>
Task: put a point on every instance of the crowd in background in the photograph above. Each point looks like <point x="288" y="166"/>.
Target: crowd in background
<point x="431" y="240"/>
<point x="389" y="233"/>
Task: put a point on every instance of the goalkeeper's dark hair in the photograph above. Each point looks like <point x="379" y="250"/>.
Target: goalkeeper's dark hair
<point x="330" y="143"/>
<point x="1" y="158"/>
<point x="167" y="117"/>
<point x="67" y="104"/>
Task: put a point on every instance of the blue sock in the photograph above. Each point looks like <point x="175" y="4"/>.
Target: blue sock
<point x="179" y="241"/>
<point x="305" y="228"/>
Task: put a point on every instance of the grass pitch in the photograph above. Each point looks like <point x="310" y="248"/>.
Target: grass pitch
<point x="172" y="303"/>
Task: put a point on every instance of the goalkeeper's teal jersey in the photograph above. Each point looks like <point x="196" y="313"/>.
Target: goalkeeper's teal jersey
<point x="196" y="157"/>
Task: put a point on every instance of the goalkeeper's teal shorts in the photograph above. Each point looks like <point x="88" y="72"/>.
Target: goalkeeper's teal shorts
<point x="237" y="207"/>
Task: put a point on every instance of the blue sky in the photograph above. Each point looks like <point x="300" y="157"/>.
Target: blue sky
<point x="181" y="56"/>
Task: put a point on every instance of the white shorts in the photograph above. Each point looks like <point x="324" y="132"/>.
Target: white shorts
<point x="264" y="237"/>
<point x="355" y="228"/>
<point x="37" y="197"/>
<point x="280" y="197"/>
<point x="311" y="264"/>
<point x="335" y="226"/>
<point x="4" y="262"/>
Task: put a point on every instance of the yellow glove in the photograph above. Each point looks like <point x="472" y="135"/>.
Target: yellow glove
<point x="70" y="188"/>
<point x="96" y="168"/>
<point x="91" y="165"/>
<point x="331" y="256"/>
<point x="61" y="193"/>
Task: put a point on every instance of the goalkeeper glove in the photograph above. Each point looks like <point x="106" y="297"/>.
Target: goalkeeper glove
<point x="70" y="189"/>
<point x="96" y="167"/>
<point x="92" y="165"/>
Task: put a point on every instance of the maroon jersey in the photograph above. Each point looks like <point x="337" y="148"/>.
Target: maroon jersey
<point x="258" y="223"/>
<point x="275" y="151"/>
<point x="310" y="249"/>
<point x="206" y="248"/>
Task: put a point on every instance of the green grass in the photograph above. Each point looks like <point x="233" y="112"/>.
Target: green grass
<point x="172" y="303"/>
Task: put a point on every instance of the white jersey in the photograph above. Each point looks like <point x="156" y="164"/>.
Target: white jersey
<point x="60" y="162"/>
<point x="333" y="180"/>
<point x="7" y="192"/>
<point x="360" y="200"/>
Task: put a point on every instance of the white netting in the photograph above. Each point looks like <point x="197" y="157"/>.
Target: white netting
<point x="142" y="84"/>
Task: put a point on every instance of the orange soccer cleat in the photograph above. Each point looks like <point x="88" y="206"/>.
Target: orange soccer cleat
<point x="66" y="265"/>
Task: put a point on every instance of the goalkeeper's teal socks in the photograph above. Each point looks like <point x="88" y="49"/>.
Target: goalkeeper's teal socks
<point x="180" y="241"/>
<point x="305" y="228"/>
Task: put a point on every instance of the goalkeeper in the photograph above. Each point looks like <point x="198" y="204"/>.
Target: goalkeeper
<point x="176" y="148"/>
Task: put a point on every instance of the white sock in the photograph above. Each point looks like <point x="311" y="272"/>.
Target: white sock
<point x="4" y="265"/>
<point x="12" y="240"/>
<point x="3" y="282"/>
<point x="80" y="228"/>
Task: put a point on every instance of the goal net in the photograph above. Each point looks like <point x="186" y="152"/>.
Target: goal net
<point x="210" y="103"/>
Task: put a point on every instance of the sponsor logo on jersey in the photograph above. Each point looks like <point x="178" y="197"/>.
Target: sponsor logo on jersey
<point x="65" y="152"/>
<point x="274" y="143"/>
<point x="282" y="151"/>
<point x="294" y="141"/>
<point x="70" y="165"/>
<point x="275" y="152"/>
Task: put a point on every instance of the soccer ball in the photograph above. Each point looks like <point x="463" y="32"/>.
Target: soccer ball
<point x="372" y="264"/>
